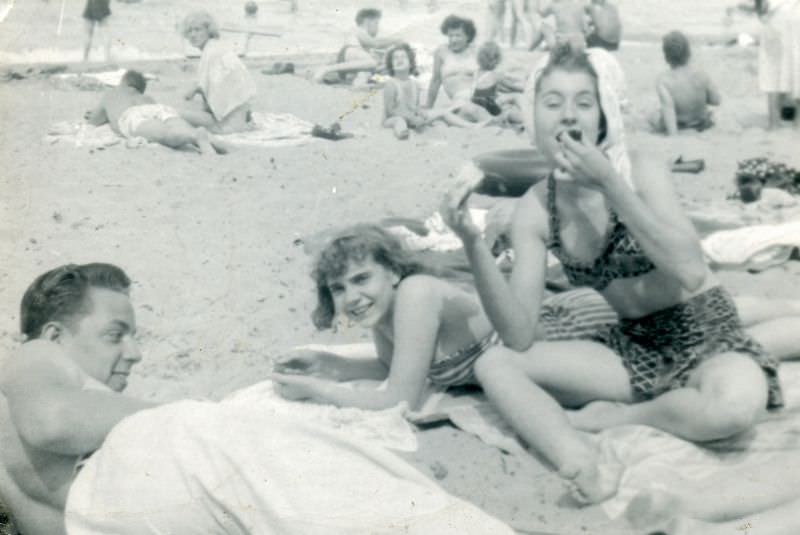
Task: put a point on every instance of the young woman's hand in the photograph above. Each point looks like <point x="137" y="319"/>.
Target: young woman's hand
<point x="191" y="93"/>
<point x="296" y="387"/>
<point x="584" y="163"/>
<point x="454" y="208"/>
<point x="303" y="362"/>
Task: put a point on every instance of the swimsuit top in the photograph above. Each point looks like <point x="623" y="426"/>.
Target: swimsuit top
<point x="462" y="63"/>
<point x="621" y="258"/>
<point x="400" y="95"/>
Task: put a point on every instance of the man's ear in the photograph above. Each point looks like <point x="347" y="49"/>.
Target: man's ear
<point x="52" y="332"/>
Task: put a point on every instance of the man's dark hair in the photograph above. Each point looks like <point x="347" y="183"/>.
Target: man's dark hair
<point x="61" y="294"/>
<point x="454" y="22"/>
<point x="134" y="79"/>
<point x="367" y="13"/>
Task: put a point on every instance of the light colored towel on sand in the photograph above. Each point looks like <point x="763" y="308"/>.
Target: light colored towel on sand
<point x="774" y="206"/>
<point x="652" y="458"/>
<point x="273" y="130"/>
<point x="752" y="248"/>
<point x="223" y="78"/>
<point x="82" y="134"/>
<point x="200" y="468"/>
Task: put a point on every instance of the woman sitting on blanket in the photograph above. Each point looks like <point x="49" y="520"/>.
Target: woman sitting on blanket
<point x="428" y="326"/>
<point x="454" y="68"/>
<point x="223" y="82"/>
<point x="678" y="360"/>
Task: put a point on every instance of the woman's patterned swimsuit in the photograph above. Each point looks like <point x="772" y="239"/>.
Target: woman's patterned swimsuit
<point x="661" y="349"/>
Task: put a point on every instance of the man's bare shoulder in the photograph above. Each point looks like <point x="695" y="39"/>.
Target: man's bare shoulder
<point x="37" y="361"/>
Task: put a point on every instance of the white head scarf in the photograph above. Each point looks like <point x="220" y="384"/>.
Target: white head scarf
<point x="612" y="90"/>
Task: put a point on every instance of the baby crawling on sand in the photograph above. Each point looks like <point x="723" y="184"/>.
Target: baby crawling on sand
<point x="131" y="113"/>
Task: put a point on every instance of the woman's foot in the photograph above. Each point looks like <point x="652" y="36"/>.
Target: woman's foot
<point x="599" y="415"/>
<point x="597" y="481"/>
<point x="400" y="131"/>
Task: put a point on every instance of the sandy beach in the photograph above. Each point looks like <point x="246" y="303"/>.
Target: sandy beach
<point x="215" y="244"/>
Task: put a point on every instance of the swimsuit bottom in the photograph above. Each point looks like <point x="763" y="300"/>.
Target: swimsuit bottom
<point x="660" y="350"/>
<point x="133" y="117"/>
<point x="96" y="10"/>
<point x="595" y="41"/>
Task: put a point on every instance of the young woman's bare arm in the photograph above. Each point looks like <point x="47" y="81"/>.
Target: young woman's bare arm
<point x="417" y="312"/>
<point x="436" y="79"/>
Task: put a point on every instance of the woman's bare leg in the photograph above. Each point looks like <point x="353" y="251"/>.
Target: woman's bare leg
<point x="87" y="47"/>
<point x="525" y="389"/>
<point x="725" y="395"/>
<point x="105" y="30"/>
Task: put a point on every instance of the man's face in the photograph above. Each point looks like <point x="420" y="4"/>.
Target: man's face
<point x="102" y="342"/>
<point x="372" y="25"/>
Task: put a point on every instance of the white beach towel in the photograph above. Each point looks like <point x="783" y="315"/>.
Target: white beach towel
<point x="752" y="248"/>
<point x="82" y="134"/>
<point x="652" y="458"/>
<point x="200" y="468"/>
<point x="273" y="130"/>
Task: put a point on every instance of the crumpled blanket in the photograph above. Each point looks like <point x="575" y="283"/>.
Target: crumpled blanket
<point x="82" y="134"/>
<point x="652" y="458"/>
<point x="200" y="468"/>
<point x="753" y="248"/>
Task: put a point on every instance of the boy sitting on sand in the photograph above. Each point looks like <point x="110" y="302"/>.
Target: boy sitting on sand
<point x="605" y="25"/>
<point x="363" y="51"/>
<point x="131" y="113"/>
<point x="684" y="93"/>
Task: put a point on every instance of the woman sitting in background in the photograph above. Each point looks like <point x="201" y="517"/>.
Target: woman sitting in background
<point x="223" y="82"/>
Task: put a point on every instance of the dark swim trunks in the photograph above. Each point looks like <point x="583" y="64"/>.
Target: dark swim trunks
<point x="595" y="41"/>
<point x="661" y="350"/>
<point x="96" y="10"/>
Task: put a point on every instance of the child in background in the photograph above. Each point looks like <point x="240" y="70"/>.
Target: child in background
<point x="488" y="82"/>
<point x="684" y="93"/>
<point x="401" y="107"/>
<point x="570" y="23"/>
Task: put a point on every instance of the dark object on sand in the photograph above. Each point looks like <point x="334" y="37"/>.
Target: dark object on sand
<point x="333" y="132"/>
<point x="279" y="68"/>
<point x="754" y="174"/>
<point x="510" y="173"/>
<point x="688" y="166"/>
<point x="788" y="113"/>
<point x="250" y="9"/>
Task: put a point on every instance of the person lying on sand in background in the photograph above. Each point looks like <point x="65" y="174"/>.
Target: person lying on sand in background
<point x="74" y="451"/>
<point x="570" y="25"/>
<point x="224" y="84"/>
<point x="401" y="102"/>
<point x="684" y="93"/>
<point x="426" y="326"/>
<point x="131" y="113"/>
<point x="678" y="360"/>
<point x="364" y="50"/>
<point x="605" y="26"/>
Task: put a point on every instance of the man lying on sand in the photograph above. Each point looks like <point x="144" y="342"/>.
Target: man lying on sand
<point x="131" y="113"/>
<point x="74" y="450"/>
<point x="684" y="93"/>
